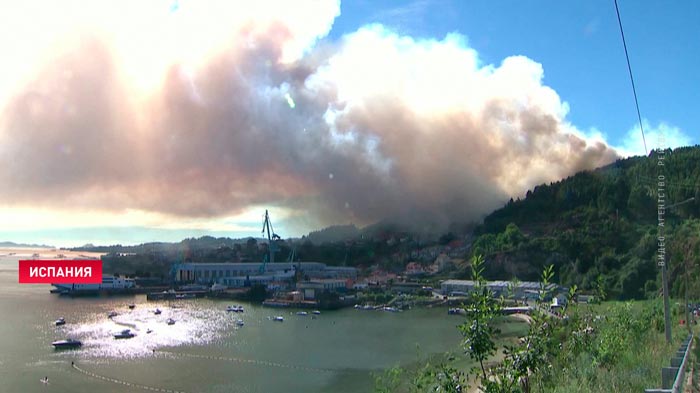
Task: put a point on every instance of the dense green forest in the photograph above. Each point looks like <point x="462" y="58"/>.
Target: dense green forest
<point x="604" y="224"/>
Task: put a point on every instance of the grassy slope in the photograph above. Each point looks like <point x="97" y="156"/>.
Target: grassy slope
<point x="638" y="368"/>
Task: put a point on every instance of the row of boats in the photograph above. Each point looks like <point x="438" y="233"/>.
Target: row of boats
<point x="280" y="318"/>
<point x="304" y="313"/>
<point x="235" y="308"/>
<point x="368" y="307"/>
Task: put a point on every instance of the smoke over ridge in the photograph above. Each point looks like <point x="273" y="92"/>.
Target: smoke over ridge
<point x="206" y="110"/>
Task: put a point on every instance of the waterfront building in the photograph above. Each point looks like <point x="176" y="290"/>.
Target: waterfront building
<point x="312" y="289"/>
<point x="244" y="274"/>
<point x="522" y="289"/>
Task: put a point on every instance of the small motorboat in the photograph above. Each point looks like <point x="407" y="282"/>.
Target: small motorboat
<point x="126" y="333"/>
<point x="391" y="309"/>
<point x="316" y="312"/>
<point x="149" y="331"/>
<point x="234" y="308"/>
<point x="239" y="322"/>
<point x="112" y="314"/>
<point x="157" y="311"/>
<point x="302" y="313"/>
<point x="67" y="343"/>
<point x="170" y="321"/>
<point x="278" y="318"/>
<point x="60" y="321"/>
<point x="132" y="306"/>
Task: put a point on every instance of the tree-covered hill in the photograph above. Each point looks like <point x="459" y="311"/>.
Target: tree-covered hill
<point x="603" y="224"/>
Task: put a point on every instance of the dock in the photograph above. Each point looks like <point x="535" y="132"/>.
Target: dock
<point x="175" y="295"/>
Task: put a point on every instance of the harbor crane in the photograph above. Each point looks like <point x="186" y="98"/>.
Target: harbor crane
<point x="272" y="238"/>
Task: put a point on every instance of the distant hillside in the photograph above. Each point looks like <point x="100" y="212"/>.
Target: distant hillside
<point x="601" y="223"/>
<point x="201" y="243"/>
<point x="23" y="245"/>
<point x="335" y="233"/>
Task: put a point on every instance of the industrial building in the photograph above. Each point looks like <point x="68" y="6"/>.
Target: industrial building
<point x="243" y="274"/>
<point x="312" y="289"/>
<point x="521" y="290"/>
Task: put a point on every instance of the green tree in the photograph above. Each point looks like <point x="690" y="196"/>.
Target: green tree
<point x="478" y="330"/>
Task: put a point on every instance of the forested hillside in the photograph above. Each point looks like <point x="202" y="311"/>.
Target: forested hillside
<point x="602" y="225"/>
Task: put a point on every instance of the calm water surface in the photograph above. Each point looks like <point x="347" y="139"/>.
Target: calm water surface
<point x="204" y="351"/>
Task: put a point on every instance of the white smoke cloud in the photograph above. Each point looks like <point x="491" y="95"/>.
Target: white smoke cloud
<point x="203" y="109"/>
<point x="661" y="136"/>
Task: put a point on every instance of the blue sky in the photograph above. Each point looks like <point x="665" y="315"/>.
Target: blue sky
<point x="579" y="46"/>
<point x="161" y="192"/>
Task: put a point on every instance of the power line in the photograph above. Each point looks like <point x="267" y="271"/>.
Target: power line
<point x="629" y="68"/>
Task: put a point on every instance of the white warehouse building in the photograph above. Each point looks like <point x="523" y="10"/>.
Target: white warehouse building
<point x="238" y="274"/>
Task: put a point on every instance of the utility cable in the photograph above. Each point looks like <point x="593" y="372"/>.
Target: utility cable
<point x="629" y="68"/>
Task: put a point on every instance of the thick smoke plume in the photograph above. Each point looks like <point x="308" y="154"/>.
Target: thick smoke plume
<point x="201" y="112"/>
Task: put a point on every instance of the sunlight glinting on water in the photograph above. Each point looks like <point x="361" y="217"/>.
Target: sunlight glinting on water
<point x="193" y="325"/>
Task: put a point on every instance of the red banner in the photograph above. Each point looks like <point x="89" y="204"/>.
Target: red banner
<point x="61" y="271"/>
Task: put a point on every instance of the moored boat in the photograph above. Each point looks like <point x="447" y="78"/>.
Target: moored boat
<point x="109" y="284"/>
<point x="67" y="343"/>
<point x="278" y="318"/>
<point x="126" y="333"/>
<point x="157" y="311"/>
<point x="170" y="321"/>
<point x="60" y="321"/>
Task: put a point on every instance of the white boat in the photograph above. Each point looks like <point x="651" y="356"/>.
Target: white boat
<point x="157" y="311"/>
<point x="234" y="308"/>
<point x="391" y="309"/>
<point x="108" y="283"/>
<point x="302" y="313"/>
<point x="239" y="322"/>
<point x="60" y="321"/>
<point x="67" y="343"/>
<point x="316" y="312"/>
<point x="170" y="321"/>
<point x="278" y="318"/>
<point x="126" y="333"/>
